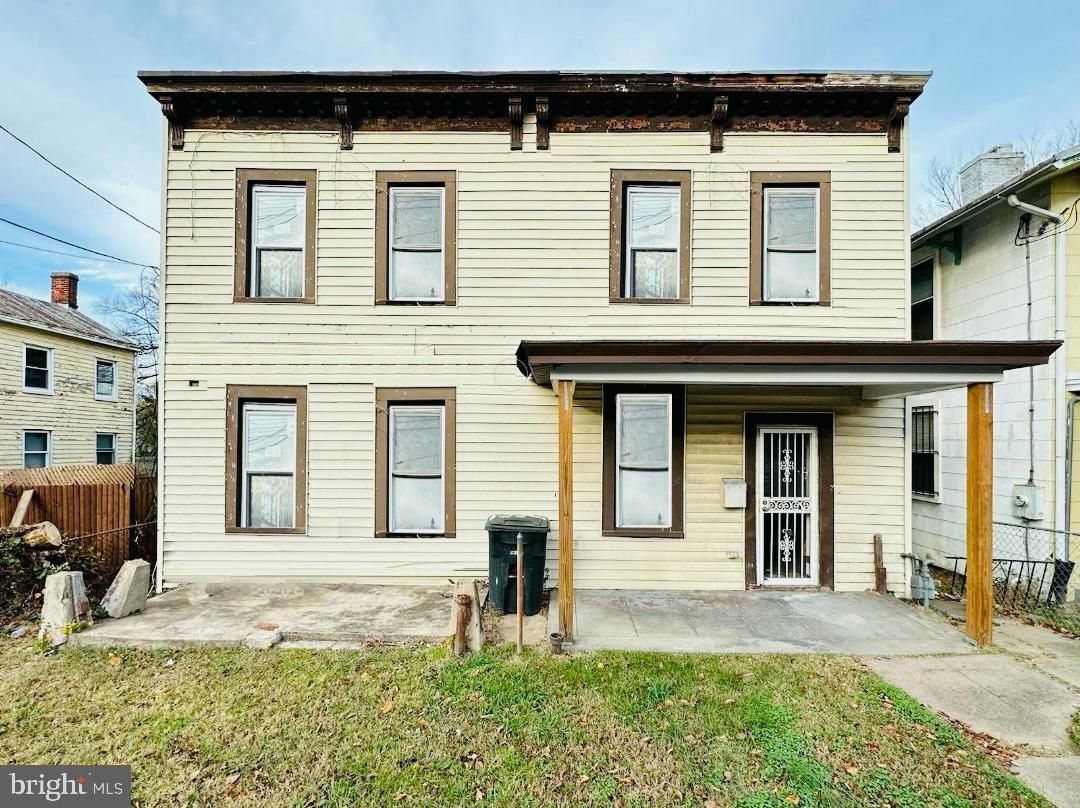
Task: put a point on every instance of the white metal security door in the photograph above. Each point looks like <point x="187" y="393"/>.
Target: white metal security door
<point x="787" y="506"/>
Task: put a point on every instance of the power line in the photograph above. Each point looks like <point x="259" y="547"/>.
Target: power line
<point x="76" y="246"/>
<point x="76" y="180"/>
<point x="58" y="252"/>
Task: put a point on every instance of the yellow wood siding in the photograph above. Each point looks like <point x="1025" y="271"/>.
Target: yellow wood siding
<point x="532" y="264"/>
<point x="71" y="413"/>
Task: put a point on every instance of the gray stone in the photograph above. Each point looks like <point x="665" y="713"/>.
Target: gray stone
<point x="262" y="638"/>
<point x="18" y="632"/>
<point x="127" y="593"/>
<point x="1056" y="778"/>
<point x="65" y="606"/>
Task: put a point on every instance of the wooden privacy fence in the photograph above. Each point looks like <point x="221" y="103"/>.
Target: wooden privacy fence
<point x="107" y="509"/>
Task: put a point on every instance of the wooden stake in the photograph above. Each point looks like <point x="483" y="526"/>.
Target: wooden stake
<point x="881" y="585"/>
<point x="461" y="625"/>
<point x="22" y="508"/>
<point x="565" y="392"/>
<point x="980" y="491"/>
<point x="520" y="590"/>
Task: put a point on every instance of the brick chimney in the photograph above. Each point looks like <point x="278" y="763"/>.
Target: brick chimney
<point x="65" y="289"/>
<point x="989" y="170"/>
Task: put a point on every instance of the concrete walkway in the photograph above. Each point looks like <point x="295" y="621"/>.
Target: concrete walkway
<point x="267" y="613"/>
<point x="762" y="621"/>
<point x="1025" y="696"/>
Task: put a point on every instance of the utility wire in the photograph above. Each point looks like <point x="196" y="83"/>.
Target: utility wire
<point x="76" y="246"/>
<point x="76" y="180"/>
<point x="59" y="252"/>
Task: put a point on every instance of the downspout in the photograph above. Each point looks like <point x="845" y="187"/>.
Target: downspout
<point x="1070" y="428"/>
<point x="1060" y="414"/>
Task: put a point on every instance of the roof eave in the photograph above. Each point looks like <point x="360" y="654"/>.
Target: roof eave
<point x="65" y="332"/>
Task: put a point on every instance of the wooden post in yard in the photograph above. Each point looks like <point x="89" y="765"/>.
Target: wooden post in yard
<point x="980" y="491"/>
<point x="565" y="392"/>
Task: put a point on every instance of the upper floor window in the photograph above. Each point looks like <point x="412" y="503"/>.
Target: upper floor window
<point x="105" y="379"/>
<point x="37" y="449"/>
<point x="790" y="237"/>
<point x="650" y="236"/>
<point x="37" y="369"/>
<point x="415" y="461"/>
<point x="275" y="236"/>
<point x="922" y="300"/>
<point x="415" y="233"/>
<point x="267" y="446"/>
<point x="105" y="448"/>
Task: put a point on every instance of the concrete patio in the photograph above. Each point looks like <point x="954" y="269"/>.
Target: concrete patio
<point x="763" y="621"/>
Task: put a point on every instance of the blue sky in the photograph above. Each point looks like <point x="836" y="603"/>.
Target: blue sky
<point x="68" y="86"/>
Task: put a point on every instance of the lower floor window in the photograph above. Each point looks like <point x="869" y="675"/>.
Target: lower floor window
<point x="923" y="452"/>
<point x="268" y="464"/>
<point x="37" y="448"/>
<point x="106" y="448"/>
<point x="416" y="468"/>
<point x="643" y="486"/>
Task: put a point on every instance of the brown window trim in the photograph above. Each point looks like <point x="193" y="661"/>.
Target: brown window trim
<point x="824" y="423"/>
<point x="759" y="181"/>
<point x="245" y="178"/>
<point x="235" y="396"/>
<point x="678" y="451"/>
<point x="620" y="178"/>
<point x="384" y="181"/>
<point x="386" y="397"/>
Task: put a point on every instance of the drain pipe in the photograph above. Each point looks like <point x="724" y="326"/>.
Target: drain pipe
<point x="1060" y="414"/>
<point x="1069" y="433"/>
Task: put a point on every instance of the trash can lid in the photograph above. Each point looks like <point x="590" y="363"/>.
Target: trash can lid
<point x="506" y="521"/>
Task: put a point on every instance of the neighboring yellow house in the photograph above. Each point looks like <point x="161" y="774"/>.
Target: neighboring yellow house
<point x="373" y="281"/>
<point x="66" y="383"/>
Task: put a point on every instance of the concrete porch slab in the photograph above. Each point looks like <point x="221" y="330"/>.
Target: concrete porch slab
<point x="231" y="613"/>
<point x="761" y="621"/>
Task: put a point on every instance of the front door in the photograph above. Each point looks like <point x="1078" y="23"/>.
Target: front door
<point x="787" y="506"/>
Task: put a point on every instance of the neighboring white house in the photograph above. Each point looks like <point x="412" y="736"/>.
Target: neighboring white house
<point x="66" y="383"/>
<point x="988" y="271"/>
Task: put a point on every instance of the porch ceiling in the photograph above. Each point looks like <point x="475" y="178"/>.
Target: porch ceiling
<point x="879" y="369"/>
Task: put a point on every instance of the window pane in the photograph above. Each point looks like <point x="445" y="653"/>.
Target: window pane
<point x="36" y="442"/>
<point x="791" y="219"/>
<point x="656" y="274"/>
<point x="270" y="500"/>
<point x="417" y="218"/>
<point x="644" y="432"/>
<point x="643" y="498"/>
<point x="416" y="276"/>
<point x="416" y="443"/>
<point x="105" y="442"/>
<point x="269" y="437"/>
<point x="922" y="281"/>
<point x="279" y="215"/>
<point x="653" y="215"/>
<point x="106" y="373"/>
<point x="281" y="273"/>
<point x="34" y="460"/>
<point x="36" y="378"/>
<point x="37" y="358"/>
<point x="106" y="458"/>
<point x="416" y="504"/>
<point x="791" y="276"/>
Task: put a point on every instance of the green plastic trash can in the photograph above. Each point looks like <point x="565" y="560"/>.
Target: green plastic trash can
<point x="502" y="533"/>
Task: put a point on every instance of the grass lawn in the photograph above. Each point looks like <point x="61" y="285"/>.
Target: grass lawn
<point x="418" y="727"/>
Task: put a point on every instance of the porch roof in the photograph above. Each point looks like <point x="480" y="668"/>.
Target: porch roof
<point x="881" y="368"/>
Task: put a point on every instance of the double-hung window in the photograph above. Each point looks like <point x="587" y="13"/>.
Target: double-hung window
<point x="644" y="430"/>
<point x="417" y="466"/>
<point x="923" y="452"/>
<point x="105" y="448"/>
<point x="37" y="449"/>
<point x="650" y="236"/>
<point x="105" y="379"/>
<point x="415" y="237"/>
<point x="922" y="300"/>
<point x="275" y="236"/>
<point x="265" y="477"/>
<point x="37" y="369"/>
<point x="790" y="237"/>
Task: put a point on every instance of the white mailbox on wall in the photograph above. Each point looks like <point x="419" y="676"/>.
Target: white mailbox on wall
<point x="734" y="492"/>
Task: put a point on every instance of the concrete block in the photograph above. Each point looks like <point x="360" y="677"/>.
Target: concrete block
<point x="262" y="638"/>
<point x="64" y="606"/>
<point x="127" y="592"/>
<point x="474" y="636"/>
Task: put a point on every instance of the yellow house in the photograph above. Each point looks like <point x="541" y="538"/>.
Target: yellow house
<point x="667" y="311"/>
<point x="67" y="383"/>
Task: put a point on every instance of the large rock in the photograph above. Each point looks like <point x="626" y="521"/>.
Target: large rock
<point x="65" y="607"/>
<point x="128" y="591"/>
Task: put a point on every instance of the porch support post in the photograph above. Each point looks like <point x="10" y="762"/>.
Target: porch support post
<point x="564" y="390"/>
<point x="980" y="491"/>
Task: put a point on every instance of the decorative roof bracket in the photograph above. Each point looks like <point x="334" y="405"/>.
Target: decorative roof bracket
<point x="896" y="121"/>
<point x="176" y="127"/>
<point x="341" y="112"/>
<point x="543" y="123"/>
<point x="517" y="120"/>
<point x="718" y="123"/>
